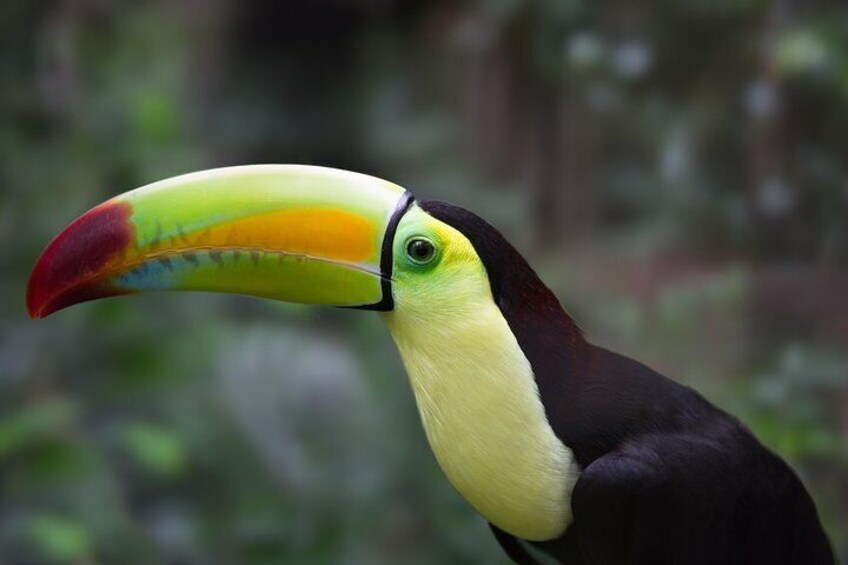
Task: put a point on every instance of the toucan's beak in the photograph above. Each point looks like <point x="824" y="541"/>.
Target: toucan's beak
<point x="296" y="233"/>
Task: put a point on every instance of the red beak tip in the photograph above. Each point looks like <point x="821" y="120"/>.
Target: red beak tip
<point x="35" y="312"/>
<point x="34" y="309"/>
<point x="61" y="276"/>
<point x="35" y="296"/>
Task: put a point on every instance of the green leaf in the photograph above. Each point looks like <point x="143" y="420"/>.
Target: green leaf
<point x="60" y="538"/>
<point x="157" y="449"/>
<point x="35" y="421"/>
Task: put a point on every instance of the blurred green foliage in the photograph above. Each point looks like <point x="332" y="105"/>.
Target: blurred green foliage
<point x="676" y="171"/>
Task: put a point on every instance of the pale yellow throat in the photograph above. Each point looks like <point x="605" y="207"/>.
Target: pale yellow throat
<point x="481" y="411"/>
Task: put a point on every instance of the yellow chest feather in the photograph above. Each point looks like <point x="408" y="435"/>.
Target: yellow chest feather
<point x="481" y="411"/>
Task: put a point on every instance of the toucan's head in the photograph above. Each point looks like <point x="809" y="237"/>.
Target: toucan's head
<point x="300" y="234"/>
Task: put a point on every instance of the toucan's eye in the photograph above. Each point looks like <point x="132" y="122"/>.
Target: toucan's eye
<point x="420" y="250"/>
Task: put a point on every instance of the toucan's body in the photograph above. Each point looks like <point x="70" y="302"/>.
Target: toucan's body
<point x="664" y="477"/>
<point x="565" y="448"/>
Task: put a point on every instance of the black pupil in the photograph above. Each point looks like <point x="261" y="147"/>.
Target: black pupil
<point x="420" y="250"/>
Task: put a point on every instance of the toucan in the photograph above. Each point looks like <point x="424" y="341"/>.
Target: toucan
<point x="566" y="449"/>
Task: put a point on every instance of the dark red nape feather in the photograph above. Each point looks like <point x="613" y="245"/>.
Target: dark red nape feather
<point x="66" y="272"/>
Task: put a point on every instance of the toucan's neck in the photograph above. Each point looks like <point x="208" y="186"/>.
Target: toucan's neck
<point x="484" y="420"/>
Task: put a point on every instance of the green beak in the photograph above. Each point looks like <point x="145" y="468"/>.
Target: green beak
<point x="302" y="234"/>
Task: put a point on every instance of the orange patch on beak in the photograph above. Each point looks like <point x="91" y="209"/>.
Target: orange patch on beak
<point x="327" y="234"/>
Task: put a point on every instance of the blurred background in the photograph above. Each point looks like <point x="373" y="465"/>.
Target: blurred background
<point x="676" y="171"/>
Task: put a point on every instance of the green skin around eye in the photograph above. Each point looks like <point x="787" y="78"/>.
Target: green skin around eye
<point x="416" y="225"/>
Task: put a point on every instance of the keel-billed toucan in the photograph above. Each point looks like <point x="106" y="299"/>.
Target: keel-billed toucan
<point x="565" y="448"/>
